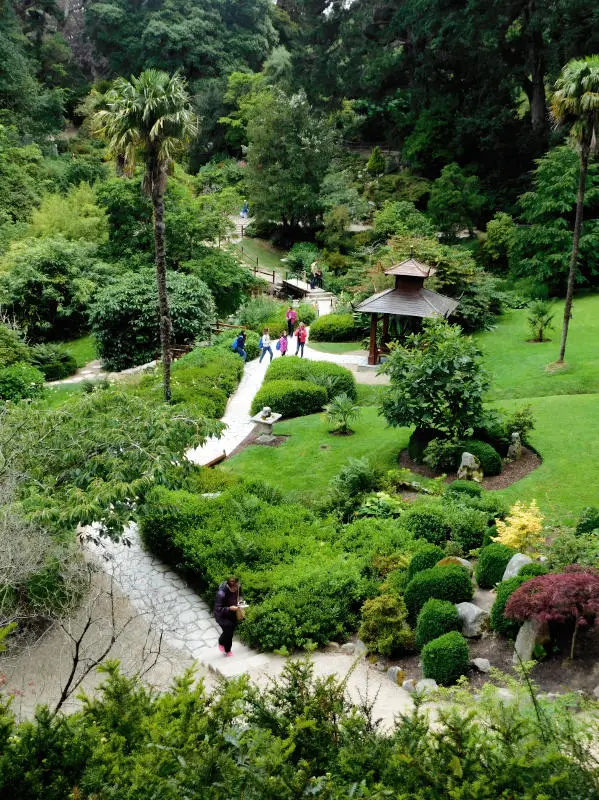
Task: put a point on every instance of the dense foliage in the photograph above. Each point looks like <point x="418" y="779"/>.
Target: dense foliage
<point x="492" y="561"/>
<point x="436" y="617"/>
<point x="333" y="377"/>
<point x="446" y="658"/>
<point x="291" y="398"/>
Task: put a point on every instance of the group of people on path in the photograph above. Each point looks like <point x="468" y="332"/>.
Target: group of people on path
<point x="282" y="343"/>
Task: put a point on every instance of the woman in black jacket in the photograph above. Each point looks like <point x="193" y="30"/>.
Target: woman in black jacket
<point x="226" y="605"/>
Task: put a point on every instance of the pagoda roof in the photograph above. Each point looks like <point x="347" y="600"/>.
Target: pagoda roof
<point x="411" y="268"/>
<point x="418" y="303"/>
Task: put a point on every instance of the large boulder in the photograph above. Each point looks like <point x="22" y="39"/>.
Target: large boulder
<point x="426" y="686"/>
<point x="470" y="469"/>
<point x="531" y="634"/>
<point x="481" y="664"/>
<point x="514" y="565"/>
<point x="472" y="619"/>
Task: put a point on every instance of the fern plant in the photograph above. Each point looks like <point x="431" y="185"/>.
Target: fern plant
<point x="341" y="411"/>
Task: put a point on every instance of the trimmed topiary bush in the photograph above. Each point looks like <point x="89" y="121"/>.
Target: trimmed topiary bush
<point x="334" y="328"/>
<point x="436" y="618"/>
<point x="290" y="398"/>
<point x="53" y="361"/>
<point x="445" y="659"/>
<point x="443" y="583"/>
<point x="427" y="522"/>
<point x="468" y="526"/>
<point x="489" y="458"/>
<point x="492" y="561"/>
<point x="469" y="488"/>
<point x="498" y="620"/>
<point x="335" y="378"/>
<point x="533" y="570"/>
<point x="20" y="382"/>
<point x="424" y="559"/>
<point x="384" y="628"/>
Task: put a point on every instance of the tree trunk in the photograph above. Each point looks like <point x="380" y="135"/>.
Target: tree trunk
<point x="582" y="182"/>
<point x="158" y="185"/>
<point x="538" y="105"/>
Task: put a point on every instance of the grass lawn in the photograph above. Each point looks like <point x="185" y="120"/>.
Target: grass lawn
<point x="84" y="349"/>
<point x="306" y="462"/>
<point x="567" y="437"/>
<point x="56" y="395"/>
<point x="267" y="254"/>
<point x="337" y="347"/>
<point x="517" y="367"/>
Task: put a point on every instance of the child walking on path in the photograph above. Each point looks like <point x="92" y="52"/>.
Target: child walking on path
<point x="302" y="335"/>
<point x="282" y="345"/>
<point x="266" y="346"/>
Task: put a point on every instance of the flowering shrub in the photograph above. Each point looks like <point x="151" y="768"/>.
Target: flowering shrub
<point x="522" y="529"/>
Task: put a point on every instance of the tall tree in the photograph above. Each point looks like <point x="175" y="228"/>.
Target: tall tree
<point x="150" y="117"/>
<point x="575" y="103"/>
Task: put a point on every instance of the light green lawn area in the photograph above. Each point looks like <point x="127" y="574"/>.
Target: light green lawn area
<point x="83" y="349"/>
<point x="337" y="347"/>
<point x="268" y="255"/>
<point x="567" y="437"/>
<point x="55" y="396"/>
<point x="517" y="367"/>
<point x="306" y="462"/>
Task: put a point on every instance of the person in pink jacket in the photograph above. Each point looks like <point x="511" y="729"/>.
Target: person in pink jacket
<point x="283" y="343"/>
<point x="302" y="335"/>
<point x="291" y="317"/>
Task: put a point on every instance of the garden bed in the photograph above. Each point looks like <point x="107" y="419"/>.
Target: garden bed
<point x="513" y="471"/>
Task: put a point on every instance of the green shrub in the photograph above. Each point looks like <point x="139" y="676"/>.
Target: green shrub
<point x="436" y="617"/>
<point x="489" y="458"/>
<point x="20" y="382"/>
<point x="468" y="526"/>
<point x="347" y="487"/>
<point x="443" y="583"/>
<point x="53" y="361"/>
<point x="465" y="487"/>
<point x="384" y="628"/>
<point x="425" y="558"/>
<point x="306" y="313"/>
<point x="588" y="520"/>
<point x="492" y="561"/>
<point x="442" y="455"/>
<point x="498" y="620"/>
<point x="219" y="367"/>
<point x="125" y="313"/>
<point x="335" y="378"/>
<point x="290" y="398"/>
<point x="334" y="328"/>
<point x="12" y="348"/>
<point x="495" y="434"/>
<point x="428" y="522"/>
<point x="224" y="341"/>
<point x="258" y="310"/>
<point x="419" y="441"/>
<point x="445" y="659"/>
<point x="533" y="570"/>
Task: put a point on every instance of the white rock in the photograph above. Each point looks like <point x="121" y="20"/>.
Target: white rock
<point x="515" y="564"/>
<point x="360" y="648"/>
<point x="396" y="674"/>
<point x="332" y="646"/>
<point x="381" y="667"/>
<point x="409" y="685"/>
<point x="426" y="686"/>
<point x="472" y="619"/>
<point x="470" y="469"/>
<point x="596" y="692"/>
<point x="531" y="633"/>
<point x="348" y="648"/>
<point x="481" y="664"/>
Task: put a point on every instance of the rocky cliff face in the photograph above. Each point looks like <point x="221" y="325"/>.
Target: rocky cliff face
<point x="72" y="27"/>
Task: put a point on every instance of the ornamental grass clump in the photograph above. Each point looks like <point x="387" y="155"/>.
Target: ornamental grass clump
<point x="522" y="529"/>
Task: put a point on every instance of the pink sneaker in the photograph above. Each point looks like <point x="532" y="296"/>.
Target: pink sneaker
<point x="221" y="647"/>
<point x="229" y="654"/>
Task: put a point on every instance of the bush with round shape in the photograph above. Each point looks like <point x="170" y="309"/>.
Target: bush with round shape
<point x="443" y="455"/>
<point x="490" y="460"/>
<point x="494" y="434"/>
<point x="443" y="583"/>
<point x="533" y="570"/>
<point x="384" y="628"/>
<point x="436" y="617"/>
<point x="53" y="361"/>
<point x="446" y="659"/>
<point x="21" y="382"/>
<point x="334" y="328"/>
<point x="12" y="348"/>
<point x="469" y="488"/>
<point x="419" y="441"/>
<point x="588" y="520"/>
<point x="427" y="521"/>
<point x="425" y="558"/>
<point x="499" y="622"/>
<point x="468" y="526"/>
<point x="335" y="378"/>
<point x="290" y="398"/>
<point x="492" y="561"/>
<point x="124" y="316"/>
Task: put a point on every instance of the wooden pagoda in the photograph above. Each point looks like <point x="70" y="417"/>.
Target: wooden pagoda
<point x="408" y="298"/>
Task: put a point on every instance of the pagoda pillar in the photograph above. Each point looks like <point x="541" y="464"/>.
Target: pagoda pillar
<point x="373" y="355"/>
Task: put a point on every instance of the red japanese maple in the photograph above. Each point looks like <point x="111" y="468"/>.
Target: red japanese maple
<point x="568" y="596"/>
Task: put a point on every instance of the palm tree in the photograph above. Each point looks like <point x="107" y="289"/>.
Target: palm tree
<point x="576" y="103"/>
<point x="148" y="119"/>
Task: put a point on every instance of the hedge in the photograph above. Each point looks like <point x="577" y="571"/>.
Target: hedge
<point x="424" y="559"/>
<point x="335" y="378"/>
<point x="491" y="565"/>
<point x="436" y="617"/>
<point x="290" y="398"/>
<point x="498" y="620"/>
<point x="53" y="361"/>
<point x="443" y="583"/>
<point x="445" y="659"/>
<point x="465" y="487"/>
<point x="334" y="328"/>
<point x="20" y="382"/>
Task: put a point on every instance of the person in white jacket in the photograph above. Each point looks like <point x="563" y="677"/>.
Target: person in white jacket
<point x="265" y="344"/>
